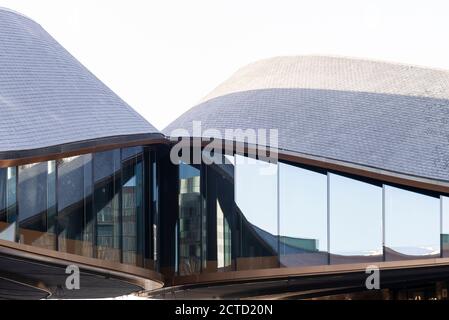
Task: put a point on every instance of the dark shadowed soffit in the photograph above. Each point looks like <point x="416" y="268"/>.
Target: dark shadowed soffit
<point x="27" y="272"/>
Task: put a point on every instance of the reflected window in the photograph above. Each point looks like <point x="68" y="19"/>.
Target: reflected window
<point x="132" y="206"/>
<point x="37" y="205"/>
<point x="107" y="186"/>
<point x="412" y="225"/>
<point x="303" y="216"/>
<point x="220" y="215"/>
<point x="190" y="220"/>
<point x="256" y="204"/>
<point x="75" y="219"/>
<point x="355" y="220"/>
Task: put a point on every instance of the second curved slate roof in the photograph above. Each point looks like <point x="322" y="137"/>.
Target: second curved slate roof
<point x="375" y="114"/>
<point x="48" y="98"/>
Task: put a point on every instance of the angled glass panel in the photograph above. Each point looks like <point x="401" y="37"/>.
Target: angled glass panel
<point x="221" y="218"/>
<point x="107" y="187"/>
<point x="412" y="225"/>
<point x="303" y="216"/>
<point x="8" y="204"/>
<point x="75" y="220"/>
<point x="256" y="205"/>
<point x="132" y="206"/>
<point x="355" y="221"/>
<point x="36" y="203"/>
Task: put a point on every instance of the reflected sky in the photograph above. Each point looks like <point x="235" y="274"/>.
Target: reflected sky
<point x="256" y="192"/>
<point x="412" y="222"/>
<point x="302" y="204"/>
<point x="355" y="217"/>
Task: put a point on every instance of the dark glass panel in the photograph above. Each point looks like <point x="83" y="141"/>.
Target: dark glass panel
<point x="256" y="199"/>
<point x="107" y="186"/>
<point x="220" y="208"/>
<point x="412" y="225"/>
<point x="355" y="221"/>
<point x="303" y="216"/>
<point x="36" y="203"/>
<point x="190" y="220"/>
<point x="8" y="203"/>
<point x="132" y="206"/>
<point x="75" y="223"/>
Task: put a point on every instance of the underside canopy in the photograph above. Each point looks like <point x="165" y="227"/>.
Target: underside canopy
<point x="48" y="98"/>
<point x="379" y="115"/>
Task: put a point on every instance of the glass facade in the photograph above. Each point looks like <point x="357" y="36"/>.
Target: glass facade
<point x="128" y="206"/>
<point x="303" y="216"/>
<point x="355" y="213"/>
<point x="103" y="205"/>
<point x="249" y="214"/>
<point x="412" y="224"/>
<point x="256" y="199"/>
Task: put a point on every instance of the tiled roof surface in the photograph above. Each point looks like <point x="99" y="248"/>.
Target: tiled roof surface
<point x="382" y="115"/>
<point x="48" y="98"/>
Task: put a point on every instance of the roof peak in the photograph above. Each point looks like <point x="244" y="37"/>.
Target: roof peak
<point x="17" y="13"/>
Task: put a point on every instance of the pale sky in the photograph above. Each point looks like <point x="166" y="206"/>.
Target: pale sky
<point x="162" y="57"/>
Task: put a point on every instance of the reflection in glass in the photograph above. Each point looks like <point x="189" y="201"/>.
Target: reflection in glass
<point x="132" y="206"/>
<point x="36" y="202"/>
<point x="355" y="221"/>
<point x="190" y="219"/>
<point x="107" y="186"/>
<point x="412" y="225"/>
<point x="8" y="204"/>
<point x="256" y="199"/>
<point x="445" y="226"/>
<point x="220" y="215"/>
<point x="303" y="216"/>
<point x="75" y="220"/>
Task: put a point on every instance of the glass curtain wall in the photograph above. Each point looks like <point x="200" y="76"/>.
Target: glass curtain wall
<point x="256" y="198"/>
<point x="190" y="220"/>
<point x="303" y="216"/>
<point x="412" y="224"/>
<point x="355" y="212"/>
<point x="75" y="216"/>
<point x="36" y="194"/>
<point x="132" y="206"/>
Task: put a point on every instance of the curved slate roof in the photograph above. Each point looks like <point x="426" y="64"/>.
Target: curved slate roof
<point x="48" y="98"/>
<point x="375" y="114"/>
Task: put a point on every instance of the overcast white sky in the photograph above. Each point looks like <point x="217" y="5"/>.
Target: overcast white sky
<point x="162" y="57"/>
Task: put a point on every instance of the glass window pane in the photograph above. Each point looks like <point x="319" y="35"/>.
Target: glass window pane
<point x="220" y="215"/>
<point x="445" y="225"/>
<point x="355" y="221"/>
<point x="36" y="202"/>
<point x="132" y="209"/>
<point x="412" y="225"/>
<point x="256" y="199"/>
<point x="107" y="184"/>
<point x="8" y="204"/>
<point x="303" y="216"/>
<point x="190" y="219"/>
<point x="75" y="221"/>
